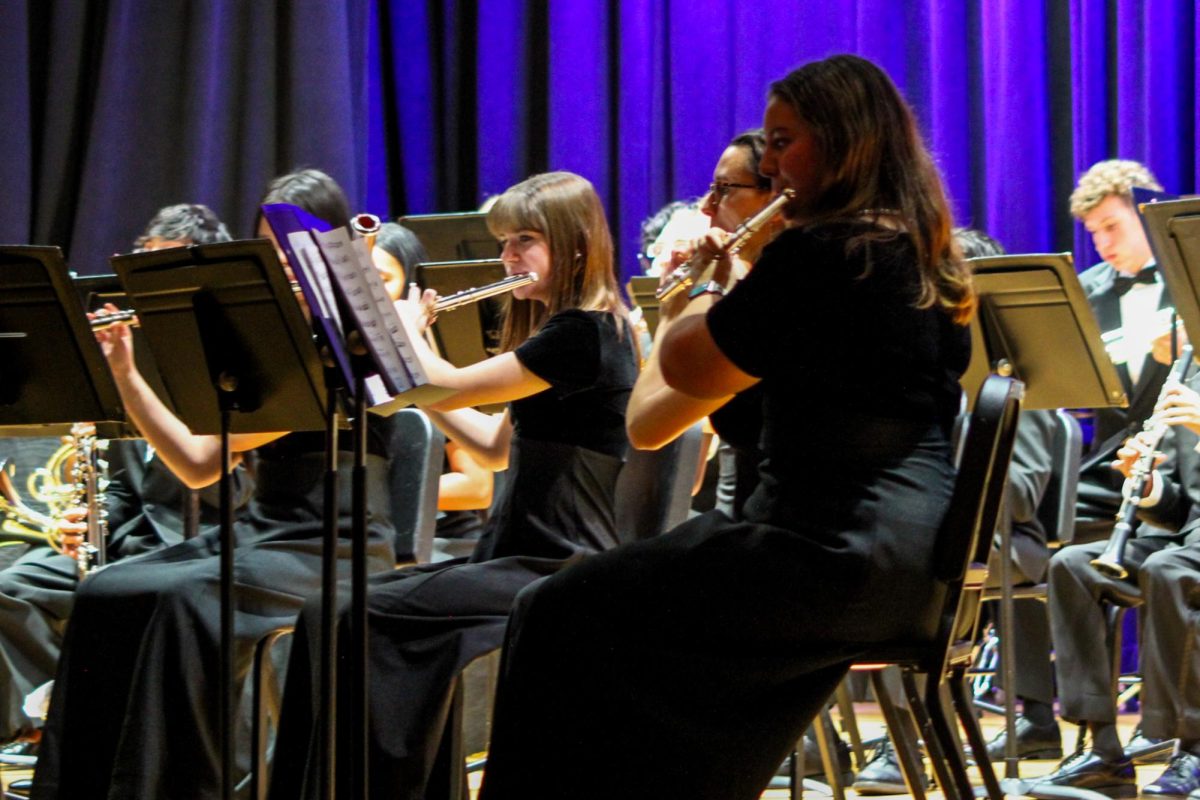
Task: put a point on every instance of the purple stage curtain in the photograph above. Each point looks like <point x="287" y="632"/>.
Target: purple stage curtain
<point x="117" y="107"/>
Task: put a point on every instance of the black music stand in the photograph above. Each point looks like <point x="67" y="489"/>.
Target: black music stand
<point x="643" y="291"/>
<point x="453" y="237"/>
<point x="229" y="307"/>
<point x="1173" y="228"/>
<point x="469" y="334"/>
<point x="1035" y="324"/>
<point x="54" y="374"/>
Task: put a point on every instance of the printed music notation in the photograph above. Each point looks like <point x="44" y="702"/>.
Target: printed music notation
<point x="376" y="319"/>
<point x="309" y="261"/>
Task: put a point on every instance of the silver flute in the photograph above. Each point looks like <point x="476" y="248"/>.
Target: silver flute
<point x="686" y="276"/>
<point x="468" y="296"/>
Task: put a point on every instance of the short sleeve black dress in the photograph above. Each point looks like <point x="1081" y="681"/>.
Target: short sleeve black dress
<point x="688" y="665"/>
<point x="427" y="623"/>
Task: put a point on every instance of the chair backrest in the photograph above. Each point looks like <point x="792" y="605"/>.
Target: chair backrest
<point x="417" y="450"/>
<point x="1057" y="509"/>
<point x="654" y="489"/>
<point x="975" y="504"/>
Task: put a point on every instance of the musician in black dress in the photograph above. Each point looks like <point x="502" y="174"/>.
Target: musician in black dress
<point x="134" y="710"/>
<point x="688" y="665"/>
<point x="568" y="366"/>
<point x="145" y="512"/>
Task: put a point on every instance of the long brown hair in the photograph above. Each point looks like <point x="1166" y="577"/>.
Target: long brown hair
<point x="564" y="208"/>
<point x="875" y="160"/>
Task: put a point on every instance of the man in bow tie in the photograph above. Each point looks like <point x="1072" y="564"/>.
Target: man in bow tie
<point x="1134" y="312"/>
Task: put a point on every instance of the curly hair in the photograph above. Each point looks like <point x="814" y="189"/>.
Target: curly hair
<point x="1115" y="176"/>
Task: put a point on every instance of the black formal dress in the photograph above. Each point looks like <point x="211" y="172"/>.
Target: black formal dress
<point x="134" y="709"/>
<point x="145" y="504"/>
<point x="427" y="623"/>
<point x="1164" y="563"/>
<point x="688" y="665"/>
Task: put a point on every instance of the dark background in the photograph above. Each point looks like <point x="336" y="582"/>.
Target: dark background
<point x="113" y="108"/>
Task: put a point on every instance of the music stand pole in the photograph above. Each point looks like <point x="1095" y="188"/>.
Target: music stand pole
<point x="358" y="593"/>
<point x="226" y="544"/>
<point x="327" y="710"/>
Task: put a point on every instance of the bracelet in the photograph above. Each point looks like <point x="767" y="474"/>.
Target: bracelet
<point x="708" y="287"/>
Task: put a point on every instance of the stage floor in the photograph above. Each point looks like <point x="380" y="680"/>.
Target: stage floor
<point x="871" y="725"/>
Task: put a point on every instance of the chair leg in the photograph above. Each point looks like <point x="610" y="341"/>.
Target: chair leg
<point x="823" y="726"/>
<point x="940" y="727"/>
<point x="258" y="733"/>
<point x="966" y="717"/>
<point x="1115" y="618"/>
<point x="266" y="698"/>
<point x="901" y="731"/>
<point x="850" y="724"/>
<point x="449" y="776"/>
<point x="933" y="744"/>
<point x="796" y="778"/>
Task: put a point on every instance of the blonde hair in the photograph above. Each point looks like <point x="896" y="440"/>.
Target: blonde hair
<point x="1115" y="176"/>
<point x="565" y="209"/>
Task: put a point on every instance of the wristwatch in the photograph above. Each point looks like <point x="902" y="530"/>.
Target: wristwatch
<point x="708" y="287"/>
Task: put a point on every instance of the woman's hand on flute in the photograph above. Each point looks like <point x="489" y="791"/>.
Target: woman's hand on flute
<point x="116" y="343"/>
<point x="417" y="310"/>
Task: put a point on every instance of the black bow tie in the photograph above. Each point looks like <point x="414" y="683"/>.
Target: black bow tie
<point x="1123" y="283"/>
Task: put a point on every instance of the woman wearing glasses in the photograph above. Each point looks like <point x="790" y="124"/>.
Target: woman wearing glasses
<point x="689" y="665"/>
<point x="657" y="413"/>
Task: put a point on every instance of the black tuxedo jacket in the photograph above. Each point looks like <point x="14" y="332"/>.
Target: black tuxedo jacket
<point x="1099" y="484"/>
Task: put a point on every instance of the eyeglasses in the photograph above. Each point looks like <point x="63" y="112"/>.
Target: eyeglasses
<point x="721" y="190"/>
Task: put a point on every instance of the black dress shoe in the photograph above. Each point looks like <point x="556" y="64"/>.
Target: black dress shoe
<point x="812" y="760"/>
<point x="19" y="790"/>
<point x="1087" y="769"/>
<point x="1032" y="742"/>
<point x="1180" y="778"/>
<point x="882" y="775"/>
<point x="1144" y="750"/>
<point x="20" y="754"/>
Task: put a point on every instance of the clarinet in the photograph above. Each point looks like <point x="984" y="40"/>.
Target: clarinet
<point x="90" y="483"/>
<point x="1110" y="563"/>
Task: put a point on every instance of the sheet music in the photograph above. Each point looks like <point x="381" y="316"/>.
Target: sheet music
<point x="348" y="273"/>
<point x="309" y="260"/>
<point x="286" y="220"/>
<point x="390" y="316"/>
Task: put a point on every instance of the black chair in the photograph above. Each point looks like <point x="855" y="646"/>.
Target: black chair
<point x="417" y="450"/>
<point x="1056" y="513"/>
<point x="961" y="550"/>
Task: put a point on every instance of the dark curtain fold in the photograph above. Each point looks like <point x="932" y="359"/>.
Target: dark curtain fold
<point x="114" y="108"/>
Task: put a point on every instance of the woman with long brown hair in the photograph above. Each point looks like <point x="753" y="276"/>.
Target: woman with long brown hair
<point x="690" y="664"/>
<point x="566" y="372"/>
